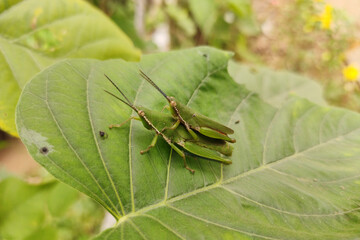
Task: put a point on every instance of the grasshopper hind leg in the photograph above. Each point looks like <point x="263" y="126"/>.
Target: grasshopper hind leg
<point x="182" y="154"/>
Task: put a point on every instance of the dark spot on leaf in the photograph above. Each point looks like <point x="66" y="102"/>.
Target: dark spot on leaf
<point x="236" y="122"/>
<point x="103" y="134"/>
<point x="44" y="150"/>
<point x="205" y="55"/>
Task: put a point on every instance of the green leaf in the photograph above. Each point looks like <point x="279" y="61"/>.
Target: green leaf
<point x="275" y="86"/>
<point x="247" y="23"/>
<point x="295" y="171"/>
<point x="123" y="16"/>
<point x="181" y="18"/>
<point x="44" y="233"/>
<point x="43" y="211"/>
<point x="204" y="12"/>
<point x="21" y="199"/>
<point x="36" y="33"/>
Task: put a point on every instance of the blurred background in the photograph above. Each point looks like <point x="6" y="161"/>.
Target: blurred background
<point x="316" y="38"/>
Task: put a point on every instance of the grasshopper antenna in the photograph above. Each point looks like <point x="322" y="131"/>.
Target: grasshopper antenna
<point x="154" y="85"/>
<point x="130" y="104"/>
<point x="120" y="99"/>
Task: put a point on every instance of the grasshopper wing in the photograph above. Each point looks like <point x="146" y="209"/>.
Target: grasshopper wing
<point x="204" y="125"/>
<point x="197" y="120"/>
<point x="205" y="152"/>
<point x="212" y="133"/>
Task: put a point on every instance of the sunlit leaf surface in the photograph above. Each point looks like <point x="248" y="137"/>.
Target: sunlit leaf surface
<point x="295" y="171"/>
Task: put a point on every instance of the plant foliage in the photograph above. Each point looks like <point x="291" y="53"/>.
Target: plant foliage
<point x="295" y="171"/>
<point x="37" y="33"/>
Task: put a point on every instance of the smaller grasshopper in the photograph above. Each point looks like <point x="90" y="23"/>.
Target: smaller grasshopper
<point x="193" y="120"/>
<point x="175" y="134"/>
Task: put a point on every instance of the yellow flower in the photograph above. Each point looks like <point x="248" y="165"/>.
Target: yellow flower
<point x="351" y="73"/>
<point x="326" y="17"/>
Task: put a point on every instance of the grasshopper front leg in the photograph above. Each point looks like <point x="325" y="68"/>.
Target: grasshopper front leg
<point x="153" y="143"/>
<point x="121" y="124"/>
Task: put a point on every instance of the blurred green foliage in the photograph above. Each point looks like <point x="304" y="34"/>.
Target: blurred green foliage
<point x="50" y="210"/>
<point x="223" y="24"/>
<point x="38" y="33"/>
<point x="306" y="36"/>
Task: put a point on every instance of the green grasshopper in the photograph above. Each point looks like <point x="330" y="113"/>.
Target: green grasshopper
<point x="176" y="134"/>
<point x="193" y="120"/>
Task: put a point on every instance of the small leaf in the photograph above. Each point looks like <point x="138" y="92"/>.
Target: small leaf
<point x="295" y="171"/>
<point x="37" y="33"/>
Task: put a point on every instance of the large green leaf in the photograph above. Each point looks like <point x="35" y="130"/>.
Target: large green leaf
<point x="295" y="171"/>
<point x="36" y="33"/>
<point x="275" y="86"/>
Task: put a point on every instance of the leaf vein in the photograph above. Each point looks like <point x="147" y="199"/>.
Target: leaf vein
<point x="165" y="225"/>
<point x="219" y="225"/>
<point x="137" y="229"/>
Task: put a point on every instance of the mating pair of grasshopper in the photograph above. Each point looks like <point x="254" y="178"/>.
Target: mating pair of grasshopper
<point x="196" y="133"/>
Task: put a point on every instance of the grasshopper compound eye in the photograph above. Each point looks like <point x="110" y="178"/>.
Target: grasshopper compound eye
<point x="173" y="103"/>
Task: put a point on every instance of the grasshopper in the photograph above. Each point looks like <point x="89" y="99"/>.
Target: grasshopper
<point x="175" y="134"/>
<point x="193" y="120"/>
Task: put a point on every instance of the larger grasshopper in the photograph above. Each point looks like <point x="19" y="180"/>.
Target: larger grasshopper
<point x="193" y="120"/>
<point x="176" y="134"/>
